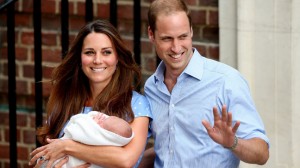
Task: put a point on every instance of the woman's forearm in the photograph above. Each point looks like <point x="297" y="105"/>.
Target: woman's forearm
<point x="106" y="156"/>
<point x="111" y="156"/>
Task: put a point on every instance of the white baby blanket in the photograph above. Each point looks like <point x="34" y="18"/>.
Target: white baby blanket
<point x="84" y="129"/>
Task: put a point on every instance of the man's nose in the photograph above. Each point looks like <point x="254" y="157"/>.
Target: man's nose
<point x="176" y="46"/>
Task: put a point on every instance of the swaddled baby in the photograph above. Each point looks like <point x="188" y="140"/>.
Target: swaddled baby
<point x="96" y="128"/>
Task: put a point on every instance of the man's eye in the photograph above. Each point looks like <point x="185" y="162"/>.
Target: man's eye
<point x="166" y="39"/>
<point x="183" y="37"/>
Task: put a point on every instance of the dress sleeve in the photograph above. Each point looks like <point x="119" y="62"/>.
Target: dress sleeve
<point x="140" y="106"/>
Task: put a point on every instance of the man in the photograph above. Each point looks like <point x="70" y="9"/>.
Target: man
<point x="188" y="89"/>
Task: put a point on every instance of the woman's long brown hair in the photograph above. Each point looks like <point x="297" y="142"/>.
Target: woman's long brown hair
<point x="71" y="88"/>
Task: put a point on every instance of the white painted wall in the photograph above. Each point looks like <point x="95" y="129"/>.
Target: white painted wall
<point x="261" y="38"/>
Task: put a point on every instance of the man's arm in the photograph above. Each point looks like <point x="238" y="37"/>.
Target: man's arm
<point x="255" y="150"/>
<point x="148" y="158"/>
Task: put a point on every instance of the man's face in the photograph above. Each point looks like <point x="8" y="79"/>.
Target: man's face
<point x="173" y="40"/>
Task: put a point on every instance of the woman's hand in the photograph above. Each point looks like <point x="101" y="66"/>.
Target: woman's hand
<point x="49" y="153"/>
<point x="58" y="164"/>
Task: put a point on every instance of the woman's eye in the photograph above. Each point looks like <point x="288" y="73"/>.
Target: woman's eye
<point x="89" y="53"/>
<point x="107" y="52"/>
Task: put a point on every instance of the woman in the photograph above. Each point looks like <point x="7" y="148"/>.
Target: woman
<point x="96" y="75"/>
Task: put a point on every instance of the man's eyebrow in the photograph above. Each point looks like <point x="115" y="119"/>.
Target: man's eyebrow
<point x="165" y="36"/>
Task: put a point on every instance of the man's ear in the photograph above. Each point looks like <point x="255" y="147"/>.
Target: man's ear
<point x="150" y="34"/>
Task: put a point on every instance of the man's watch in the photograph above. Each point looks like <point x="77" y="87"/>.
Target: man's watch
<point x="234" y="143"/>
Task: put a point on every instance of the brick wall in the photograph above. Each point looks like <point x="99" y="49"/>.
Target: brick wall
<point x="206" y="34"/>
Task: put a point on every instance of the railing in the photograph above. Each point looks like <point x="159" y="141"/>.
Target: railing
<point x="9" y="6"/>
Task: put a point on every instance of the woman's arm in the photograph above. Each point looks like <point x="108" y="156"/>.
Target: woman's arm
<point x="107" y="156"/>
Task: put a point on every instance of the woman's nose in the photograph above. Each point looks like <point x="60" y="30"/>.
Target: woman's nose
<point x="97" y="58"/>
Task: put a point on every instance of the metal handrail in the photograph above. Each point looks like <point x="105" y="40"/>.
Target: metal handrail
<point x="12" y="84"/>
<point x="38" y="64"/>
<point x="5" y="3"/>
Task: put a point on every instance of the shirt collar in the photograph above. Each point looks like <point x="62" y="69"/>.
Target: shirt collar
<point x="194" y="68"/>
<point x="159" y="73"/>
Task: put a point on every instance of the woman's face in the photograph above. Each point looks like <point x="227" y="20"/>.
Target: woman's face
<point x="99" y="59"/>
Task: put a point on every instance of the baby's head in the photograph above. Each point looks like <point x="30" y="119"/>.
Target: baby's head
<point x="118" y="126"/>
<point x="113" y="124"/>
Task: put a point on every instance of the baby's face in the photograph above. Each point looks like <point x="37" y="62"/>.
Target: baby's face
<point x="99" y="118"/>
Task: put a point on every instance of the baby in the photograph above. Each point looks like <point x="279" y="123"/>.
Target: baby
<point x="96" y="128"/>
<point x="112" y="124"/>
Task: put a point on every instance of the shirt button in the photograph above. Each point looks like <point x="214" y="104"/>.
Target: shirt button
<point x="171" y="151"/>
<point x="173" y="105"/>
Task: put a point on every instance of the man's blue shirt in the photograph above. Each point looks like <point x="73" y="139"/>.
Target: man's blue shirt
<point x="180" y="138"/>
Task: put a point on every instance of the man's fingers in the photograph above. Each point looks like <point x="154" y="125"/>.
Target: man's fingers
<point x="224" y="113"/>
<point x="229" y="119"/>
<point x="236" y="126"/>
<point x="216" y="114"/>
<point x="206" y="125"/>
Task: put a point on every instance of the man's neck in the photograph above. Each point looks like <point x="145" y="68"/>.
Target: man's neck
<point x="170" y="79"/>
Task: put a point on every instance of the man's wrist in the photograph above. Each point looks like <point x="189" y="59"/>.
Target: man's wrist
<point x="236" y="140"/>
